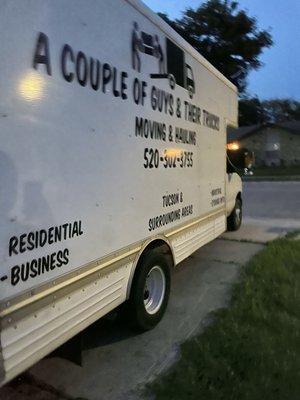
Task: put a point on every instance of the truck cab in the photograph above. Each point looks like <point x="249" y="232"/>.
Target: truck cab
<point x="239" y="162"/>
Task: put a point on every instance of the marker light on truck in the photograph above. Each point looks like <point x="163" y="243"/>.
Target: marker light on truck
<point x="233" y="146"/>
<point x="31" y="86"/>
<point x="172" y="152"/>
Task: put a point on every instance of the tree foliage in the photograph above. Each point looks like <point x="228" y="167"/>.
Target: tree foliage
<point x="253" y="111"/>
<point x="226" y="36"/>
<point x="280" y="110"/>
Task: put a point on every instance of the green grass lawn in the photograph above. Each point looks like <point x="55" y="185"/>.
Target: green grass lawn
<point x="252" y="349"/>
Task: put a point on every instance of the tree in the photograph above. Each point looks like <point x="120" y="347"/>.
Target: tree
<point x="253" y="111"/>
<point x="226" y="36"/>
<point x="280" y="110"/>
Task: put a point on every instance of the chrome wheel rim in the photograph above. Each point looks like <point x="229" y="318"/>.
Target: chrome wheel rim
<point x="238" y="213"/>
<point x="154" y="291"/>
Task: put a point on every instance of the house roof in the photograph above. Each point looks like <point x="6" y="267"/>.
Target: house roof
<point x="245" y="131"/>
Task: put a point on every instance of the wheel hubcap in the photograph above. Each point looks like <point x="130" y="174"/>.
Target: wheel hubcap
<point x="238" y="212"/>
<point x="154" y="290"/>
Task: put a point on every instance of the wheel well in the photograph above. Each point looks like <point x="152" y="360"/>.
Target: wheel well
<point x="161" y="246"/>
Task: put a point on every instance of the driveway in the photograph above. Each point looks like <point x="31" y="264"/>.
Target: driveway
<point x="116" y="363"/>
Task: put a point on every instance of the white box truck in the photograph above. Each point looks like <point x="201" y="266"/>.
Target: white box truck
<point x="112" y="167"/>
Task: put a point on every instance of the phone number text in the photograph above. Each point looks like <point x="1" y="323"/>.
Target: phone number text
<point x="153" y="158"/>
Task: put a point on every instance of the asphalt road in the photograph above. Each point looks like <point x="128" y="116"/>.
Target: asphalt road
<point x="270" y="209"/>
<point x="115" y="362"/>
<point x="278" y="200"/>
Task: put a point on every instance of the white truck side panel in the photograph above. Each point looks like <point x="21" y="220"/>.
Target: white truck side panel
<point x="71" y="160"/>
<point x="70" y="152"/>
<point x="33" y="337"/>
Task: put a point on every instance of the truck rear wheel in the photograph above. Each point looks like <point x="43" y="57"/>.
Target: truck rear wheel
<point x="150" y="290"/>
<point x="234" y="221"/>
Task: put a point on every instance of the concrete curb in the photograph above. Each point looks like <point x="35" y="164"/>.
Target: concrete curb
<point x="292" y="178"/>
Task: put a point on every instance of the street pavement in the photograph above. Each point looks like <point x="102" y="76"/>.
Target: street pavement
<point x="271" y="209"/>
<point x="116" y="363"/>
<point x="272" y="200"/>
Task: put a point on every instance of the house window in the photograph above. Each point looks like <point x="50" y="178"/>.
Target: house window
<point x="272" y="148"/>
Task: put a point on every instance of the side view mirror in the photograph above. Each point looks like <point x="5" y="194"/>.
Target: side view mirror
<point x="240" y="160"/>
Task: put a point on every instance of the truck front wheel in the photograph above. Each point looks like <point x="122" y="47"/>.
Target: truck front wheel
<point x="234" y="220"/>
<point x="150" y="290"/>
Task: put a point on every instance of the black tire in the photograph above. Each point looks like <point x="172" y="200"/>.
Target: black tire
<point x="234" y="221"/>
<point x="140" y="318"/>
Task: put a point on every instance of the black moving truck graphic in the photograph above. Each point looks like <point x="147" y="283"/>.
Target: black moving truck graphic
<point x="178" y="71"/>
<point x="177" y="67"/>
<point x="171" y="66"/>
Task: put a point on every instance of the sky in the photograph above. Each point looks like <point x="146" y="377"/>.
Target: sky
<point x="279" y="77"/>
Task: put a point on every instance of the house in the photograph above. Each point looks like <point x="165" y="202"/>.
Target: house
<point x="273" y="144"/>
